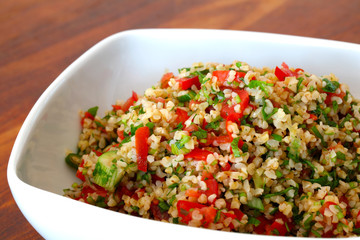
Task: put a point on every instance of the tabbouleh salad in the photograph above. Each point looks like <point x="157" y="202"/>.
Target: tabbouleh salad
<point x="228" y="147"/>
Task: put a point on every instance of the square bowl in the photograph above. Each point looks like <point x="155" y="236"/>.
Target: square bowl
<point x="135" y="60"/>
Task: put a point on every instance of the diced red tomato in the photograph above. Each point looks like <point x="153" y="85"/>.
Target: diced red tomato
<point x="89" y="115"/>
<point x="228" y="111"/>
<point x="282" y="73"/>
<point x="260" y="229"/>
<point x="209" y="214"/>
<point x="182" y="116"/>
<point x="192" y="192"/>
<point x="357" y="225"/>
<point x="280" y="215"/>
<point x="191" y="128"/>
<point x="98" y="153"/>
<point x="120" y="134"/>
<point x="141" y="136"/>
<point x="85" y="191"/>
<point x="198" y="154"/>
<point x="138" y="193"/>
<point x="330" y="95"/>
<point x="186" y="83"/>
<point x="299" y="70"/>
<point x="226" y="167"/>
<point x="123" y="191"/>
<point x="212" y="188"/>
<point x="222" y="76"/>
<point x="79" y="173"/>
<point x="209" y="140"/>
<point x="206" y="175"/>
<point x="325" y="206"/>
<point x="184" y="208"/>
<point x="116" y="107"/>
<point x="313" y="117"/>
<point x="165" y="79"/>
<point x="86" y="115"/>
<point x="280" y="229"/>
<point x="236" y="215"/>
<point x="223" y="139"/>
<point x="130" y="102"/>
<point x="328" y="234"/>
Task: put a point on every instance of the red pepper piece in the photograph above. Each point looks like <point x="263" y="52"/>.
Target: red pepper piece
<point x="130" y="102"/>
<point x="184" y="208"/>
<point x="198" y="154"/>
<point x="228" y="111"/>
<point x="222" y="76"/>
<point x="186" y="83"/>
<point x="212" y="188"/>
<point x="165" y="79"/>
<point x="79" y="173"/>
<point x="182" y="116"/>
<point x="141" y="136"/>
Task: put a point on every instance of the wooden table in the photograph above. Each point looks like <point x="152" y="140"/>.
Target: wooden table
<point x="40" y="38"/>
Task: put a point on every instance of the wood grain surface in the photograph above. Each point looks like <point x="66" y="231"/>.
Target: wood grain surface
<point x="40" y="38"/>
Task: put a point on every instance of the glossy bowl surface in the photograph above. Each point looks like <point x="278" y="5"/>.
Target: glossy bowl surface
<point x="135" y="60"/>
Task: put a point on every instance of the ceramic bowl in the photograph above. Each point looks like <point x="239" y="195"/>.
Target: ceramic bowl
<point x="135" y="60"/>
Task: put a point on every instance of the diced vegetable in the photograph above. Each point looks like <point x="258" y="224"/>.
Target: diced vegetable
<point x="130" y="102"/>
<point x="106" y="173"/>
<point x="142" y="148"/>
<point x="186" y="83"/>
<point x="198" y="154"/>
<point x="73" y="160"/>
<point x="256" y="203"/>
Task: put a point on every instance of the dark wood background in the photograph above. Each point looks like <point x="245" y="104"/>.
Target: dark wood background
<point x="40" y="38"/>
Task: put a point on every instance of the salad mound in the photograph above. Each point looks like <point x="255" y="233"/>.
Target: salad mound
<point x="228" y="147"/>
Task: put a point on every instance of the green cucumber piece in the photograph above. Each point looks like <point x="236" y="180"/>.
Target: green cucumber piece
<point x="259" y="180"/>
<point x="106" y="173"/>
<point x="256" y="203"/>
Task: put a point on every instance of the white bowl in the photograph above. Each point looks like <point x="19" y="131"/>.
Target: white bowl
<point x="134" y="60"/>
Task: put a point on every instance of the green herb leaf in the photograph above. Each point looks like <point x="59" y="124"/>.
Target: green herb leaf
<point x="298" y="86"/>
<point x="93" y="110"/>
<point x="277" y="137"/>
<point x="254" y="221"/>
<point x="330" y="86"/>
<point x="262" y="85"/>
<point x="200" y="134"/>
<point x="150" y="125"/>
<point x="346" y="119"/>
<point x="99" y="124"/>
<point x="174" y="185"/>
<point x="341" y="156"/>
<point x="318" y="134"/>
<point x="278" y="193"/>
<point x="217" y="217"/>
<point x="163" y="206"/>
<point x="235" y="147"/>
